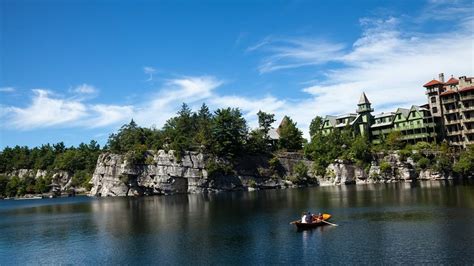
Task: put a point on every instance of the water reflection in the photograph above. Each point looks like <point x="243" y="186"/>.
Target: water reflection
<point x="425" y="222"/>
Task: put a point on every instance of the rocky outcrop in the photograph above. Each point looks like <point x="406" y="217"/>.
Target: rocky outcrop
<point x="164" y="174"/>
<point x="61" y="181"/>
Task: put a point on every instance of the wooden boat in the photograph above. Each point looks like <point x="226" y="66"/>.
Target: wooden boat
<point x="314" y="224"/>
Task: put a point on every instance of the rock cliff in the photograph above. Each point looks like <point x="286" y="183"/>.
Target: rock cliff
<point x="164" y="174"/>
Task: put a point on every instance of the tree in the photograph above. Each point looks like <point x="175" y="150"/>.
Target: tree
<point x="265" y="122"/>
<point x="228" y="132"/>
<point x="315" y="125"/>
<point x="291" y="138"/>
<point x="465" y="165"/>
<point x="394" y="140"/>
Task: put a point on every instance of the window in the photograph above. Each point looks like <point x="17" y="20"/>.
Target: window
<point x="433" y="99"/>
<point x="435" y="110"/>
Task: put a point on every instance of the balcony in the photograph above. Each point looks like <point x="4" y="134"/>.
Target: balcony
<point x="453" y="133"/>
<point x="468" y="120"/>
<point x="452" y="122"/>
<point x="451" y="111"/>
<point x="419" y="136"/>
<point x="469" y="131"/>
<point x="448" y="100"/>
<point x="467" y="97"/>
<point x="467" y="109"/>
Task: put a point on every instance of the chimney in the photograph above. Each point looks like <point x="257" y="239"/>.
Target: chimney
<point x="441" y="77"/>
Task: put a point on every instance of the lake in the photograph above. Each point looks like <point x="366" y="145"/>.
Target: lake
<point x="427" y="222"/>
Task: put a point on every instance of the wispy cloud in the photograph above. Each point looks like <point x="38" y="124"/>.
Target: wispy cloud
<point x="7" y="89"/>
<point x="293" y="53"/>
<point x="149" y="71"/>
<point x="85" y="89"/>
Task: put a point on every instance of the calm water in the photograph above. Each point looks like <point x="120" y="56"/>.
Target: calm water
<point x="394" y="223"/>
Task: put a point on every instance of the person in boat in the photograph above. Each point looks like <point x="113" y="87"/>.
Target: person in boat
<point x="309" y="218"/>
<point x="303" y="218"/>
<point x="318" y="218"/>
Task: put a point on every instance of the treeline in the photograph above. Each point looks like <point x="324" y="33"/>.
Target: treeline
<point x="223" y="133"/>
<point x="79" y="161"/>
<point x="344" y="144"/>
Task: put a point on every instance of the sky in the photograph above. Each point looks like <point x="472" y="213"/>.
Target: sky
<point x="77" y="70"/>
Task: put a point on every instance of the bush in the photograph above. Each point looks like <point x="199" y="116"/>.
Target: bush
<point x="301" y="170"/>
<point x="385" y="167"/>
<point x="215" y="168"/>
<point x="423" y="163"/>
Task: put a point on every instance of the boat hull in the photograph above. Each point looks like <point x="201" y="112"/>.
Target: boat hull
<point x="306" y="226"/>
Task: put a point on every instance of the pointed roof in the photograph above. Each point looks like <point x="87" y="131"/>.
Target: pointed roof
<point x="331" y="119"/>
<point x="432" y="83"/>
<point x="452" y="81"/>
<point x="405" y="112"/>
<point x="363" y="99"/>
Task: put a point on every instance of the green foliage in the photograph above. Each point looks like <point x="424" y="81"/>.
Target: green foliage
<point x="465" y="165"/>
<point x="385" y="167"/>
<point x="137" y="155"/>
<point x="324" y="149"/>
<point x="265" y="121"/>
<point x="228" y="133"/>
<point x="301" y="170"/>
<point x="216" y="168"/>
<point x="291" y="138"/>
<point x="394" y="140"/>
<point x="315" y="126"/>
<point x="423" y="163"/>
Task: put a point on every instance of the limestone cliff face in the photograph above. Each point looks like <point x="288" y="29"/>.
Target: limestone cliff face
<point x="395" y="169"/>
<point x="61" y="181"/>
<point x="164" y="174"/>
<point x="113" y="176"/>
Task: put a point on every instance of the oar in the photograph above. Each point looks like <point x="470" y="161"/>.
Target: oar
<point x="294" y="222"/>
<point x="329" y="223"/>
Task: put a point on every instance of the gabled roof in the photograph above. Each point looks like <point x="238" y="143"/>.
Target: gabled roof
<point x="452" y="81"/>
<point x="363" y="99"/>
<point x="432" y="83"/>
<point x="273" y="134"/>
<point x="405" y="112"/>
<point x="331" y="119"/>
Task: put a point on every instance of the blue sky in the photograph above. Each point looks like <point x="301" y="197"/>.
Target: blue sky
<point x="77" y="70"/>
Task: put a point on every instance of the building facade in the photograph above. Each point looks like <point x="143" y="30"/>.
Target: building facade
<point x="448" y="116"/>
<point x="457" y="108"/>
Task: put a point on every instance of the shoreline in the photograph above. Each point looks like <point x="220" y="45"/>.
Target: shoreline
<point x="250" y="189"/>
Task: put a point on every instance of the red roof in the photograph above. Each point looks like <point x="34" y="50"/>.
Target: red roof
<point x="452" y="81"/>
<point x="448" y="92"/>
<point x="470" y="88"/>
<point x="432" y="83"/>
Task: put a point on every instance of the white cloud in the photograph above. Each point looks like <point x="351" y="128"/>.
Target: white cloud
<point x="293" y="53"/>
<point x="85" y="89"/>
<point x="45" y="111"/>
<point x="149" y="71"/>
<point x="7" y="89"/>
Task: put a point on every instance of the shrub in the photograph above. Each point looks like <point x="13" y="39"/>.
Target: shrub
<point x="385" y="167"/>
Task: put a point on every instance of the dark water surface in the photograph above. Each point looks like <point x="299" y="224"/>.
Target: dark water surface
<point x="430" y="222"/>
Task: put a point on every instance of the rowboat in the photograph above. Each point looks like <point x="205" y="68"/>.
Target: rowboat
<point x="316" y="222"/>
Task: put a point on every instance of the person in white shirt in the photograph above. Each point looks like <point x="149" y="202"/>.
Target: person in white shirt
<point x="303" y="218"/>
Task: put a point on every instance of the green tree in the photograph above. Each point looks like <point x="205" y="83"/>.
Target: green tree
<point x="394" y="140"/>
<point x="315" y="125"/>
<point x="228" y="132"/>
<point x="465" y="165"/>
<point x="291" y="138"/>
